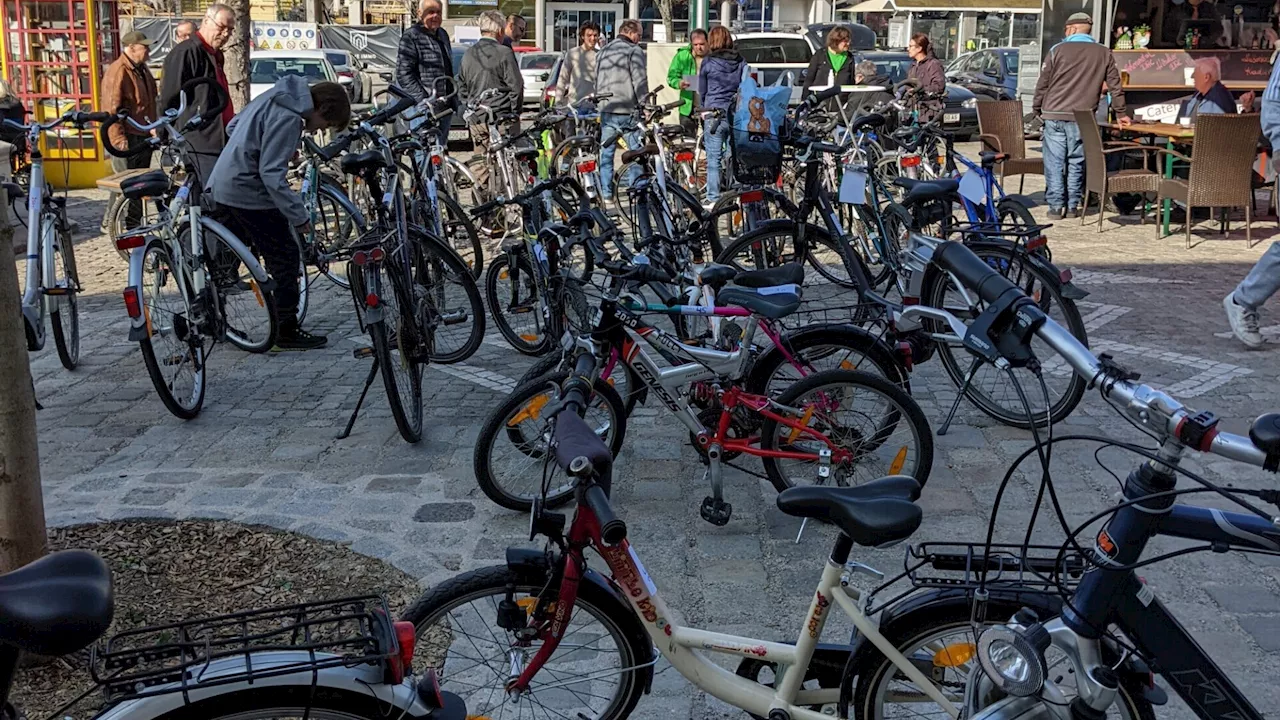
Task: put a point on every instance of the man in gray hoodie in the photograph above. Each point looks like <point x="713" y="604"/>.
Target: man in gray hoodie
<point x="250" y="185"/>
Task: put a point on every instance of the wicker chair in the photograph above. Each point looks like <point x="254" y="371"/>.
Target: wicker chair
<point x="1096" y="177"/>
<point x="1000" y="125"/>
<point x="1221" y="169"/>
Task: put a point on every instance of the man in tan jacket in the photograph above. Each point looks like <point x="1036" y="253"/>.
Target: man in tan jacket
<point x="128" y="85"/>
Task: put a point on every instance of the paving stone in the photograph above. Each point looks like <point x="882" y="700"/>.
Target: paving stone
<point x="149" y="496"/>
<point x="172" y="478"/>
<point x="393" y="484"/>
<point x="297" y="452"/>
<point x="234" y="480"/>
<point x="1264" y="629"/>
<point x="323" y="532"/>
<point x="445" y="512"/>
<point x="1245" y="598"/>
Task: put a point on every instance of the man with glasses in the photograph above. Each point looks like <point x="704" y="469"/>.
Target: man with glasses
<point x="200" y="56"/>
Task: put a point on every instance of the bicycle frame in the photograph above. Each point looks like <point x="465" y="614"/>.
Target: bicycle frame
<point x="39" y="271"/>
<point x="686" y="647"/>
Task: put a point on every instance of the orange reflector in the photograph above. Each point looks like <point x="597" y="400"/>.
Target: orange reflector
<point x="909" y="160"/>
<point x="846" y="365"/>
<point x="146" y="311"/>
<point x="751" y="196"/>
<point x="257" y="293"/>
<point x="899" y="460"/>
<point x="804" y="420"/>
<point x="685" y="156"/>
<point x="528" y="337"/>
<point x="502" y="274"/>
<point x="954" y="655"/>
<point x="530" y="411"/>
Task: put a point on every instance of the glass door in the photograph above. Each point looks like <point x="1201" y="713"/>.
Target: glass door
<point x="564" y="19"/>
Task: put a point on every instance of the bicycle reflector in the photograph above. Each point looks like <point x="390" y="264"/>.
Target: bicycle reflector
<point x="751" y="196"/>
<point x="909" y="161"/>
<point x="684" y="156"/>
<point x="586" y="167"/>
<point x="132" y="303"/>
<point x="1013" y="659"/>
<point x="406" y="641"/>
<point x="372" y="300"/>
<point x="129" y="242"/>
<point x="363" y="258"/>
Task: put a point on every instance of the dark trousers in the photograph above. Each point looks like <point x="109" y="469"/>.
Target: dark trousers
<point x="134" y="213"/>
<point x="690" y="125"/>
<point x="267" y="233"/>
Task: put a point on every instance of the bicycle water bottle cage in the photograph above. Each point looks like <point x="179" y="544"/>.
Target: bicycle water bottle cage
<point x="1004" y="330"/>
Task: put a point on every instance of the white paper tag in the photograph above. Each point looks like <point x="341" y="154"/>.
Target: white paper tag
<point x="779" y="290"/>
<point x="853" y="187"/>
<point x="972" y="188"/>
<point x="644" y="574"/>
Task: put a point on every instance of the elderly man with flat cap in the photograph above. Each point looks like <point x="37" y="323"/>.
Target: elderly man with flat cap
<point x="1070" y="79"/>
<point x="128" y="86"/>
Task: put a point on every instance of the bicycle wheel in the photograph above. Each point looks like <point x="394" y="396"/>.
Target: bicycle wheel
<point x="64" y="308"/>
<point x="1013" y="214"/>
<point x="337" y="225"/>
<point x="598" y="670"/>
<point x="401" y="371"/>
<point x="514" y="304"/>
<point x="173" y="350"/>
<point x="304" y="280"/>
<point x="288" y="701"/>
<point x="461" y="234"/>
<point x="623" y="379"/>
<point x="773" y="205"/>
<point x="118" y="222"/>
<point x="771" y="245"/>
<point x="248" y="311"/>
<point x="992" y="390"/>
<point x="822" y="347"/>
<point x="446" y="300"/>
<point x="881" y="428"/>
<point x="884" y="693"/>
<point x="512" y="445"/>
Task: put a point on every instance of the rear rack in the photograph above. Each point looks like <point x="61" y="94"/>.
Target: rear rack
<point x="173" y="658"/>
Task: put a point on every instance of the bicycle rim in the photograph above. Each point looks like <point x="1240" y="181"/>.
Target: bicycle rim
<point x="592" y="673"/>
<point x="401" y="374"/>
<point x="334" y="230"/>
<point x="65" y="314"/>
<point x="173" y="350"/>
<point x="461" y="235"/>
<point x="446" y="301"/>
<point x="514" y="304"/>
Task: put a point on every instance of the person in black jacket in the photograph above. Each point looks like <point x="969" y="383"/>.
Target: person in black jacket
<point x="832" y="65"/>
<point x="425" y="56"/>
<point x="201" y="57"/>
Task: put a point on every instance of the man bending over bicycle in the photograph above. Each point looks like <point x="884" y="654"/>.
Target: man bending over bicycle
<point x="251" y="188"/>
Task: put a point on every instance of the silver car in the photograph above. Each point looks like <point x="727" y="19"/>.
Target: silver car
<point x="535" y="67"/>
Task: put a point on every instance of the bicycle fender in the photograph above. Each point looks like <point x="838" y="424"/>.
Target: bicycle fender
<point x="138" y="325"/>
<point x="1024" y="199"/>
<point x="363" y="681"/>
<point x="537" y="565"/>
<point x="35" y="328"/>
<point x="265" y="283"/>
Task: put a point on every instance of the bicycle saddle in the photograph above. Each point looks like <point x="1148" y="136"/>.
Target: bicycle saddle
<point x="773" y="305"/>
<point x="926" y="189"/>
<point x="149" y="184"/>
<point x="356" y="163"/>
<point x="789" y="274"/>
<point x="989" y="157"/>
<point x="581" y="141"/>
<point x="870" y="120"/>
<point x="645" y="151"/>
<point x="671" y="131"/>
<point x="876" y="513"/>
<point x="56" y="605"/>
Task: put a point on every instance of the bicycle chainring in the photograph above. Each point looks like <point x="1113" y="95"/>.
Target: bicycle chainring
<point x="740" y="426"/>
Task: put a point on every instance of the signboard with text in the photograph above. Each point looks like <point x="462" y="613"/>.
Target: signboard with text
<point x="1172" y="68"/>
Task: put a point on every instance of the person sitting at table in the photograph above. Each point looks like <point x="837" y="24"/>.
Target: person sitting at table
<point x="1211" y="96"/>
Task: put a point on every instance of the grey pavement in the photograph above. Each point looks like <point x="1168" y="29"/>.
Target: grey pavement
<point x="264" y="451"/>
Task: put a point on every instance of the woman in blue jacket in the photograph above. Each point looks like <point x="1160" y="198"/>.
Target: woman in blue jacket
<point x="718" y="81"/>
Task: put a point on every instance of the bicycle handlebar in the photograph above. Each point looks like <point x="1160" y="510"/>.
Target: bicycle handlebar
<point x="1152" y="410"/>
<point x="217" y="96"/>
<point x="532" y="193"/>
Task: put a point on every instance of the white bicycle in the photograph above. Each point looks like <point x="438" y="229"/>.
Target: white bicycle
<point x="50" y="283"/>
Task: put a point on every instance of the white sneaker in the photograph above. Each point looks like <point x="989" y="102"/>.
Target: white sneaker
<point x="1244" y="322"/>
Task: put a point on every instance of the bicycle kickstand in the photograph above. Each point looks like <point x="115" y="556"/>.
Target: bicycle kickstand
<point x="360" y="353"/>
<point x="973" y="370"/>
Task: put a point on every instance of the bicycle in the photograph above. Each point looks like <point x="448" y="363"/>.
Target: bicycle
<point x="191" y="281"/>
<point x="510" y="159"/>
<point x="730" y="402"/>
<point x="344" y="657"/>
<point x="1110" y="628"/>
<point x="51" y="282"/>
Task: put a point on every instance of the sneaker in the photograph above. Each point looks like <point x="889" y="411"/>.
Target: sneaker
<point x="1072" y="213"/>
<point x="298" y="339"/>
<point x="1056" y="213"/>
<point x="1244" y="322"/>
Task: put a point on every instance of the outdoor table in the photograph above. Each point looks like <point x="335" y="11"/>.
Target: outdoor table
<point x="1173" y="134"/>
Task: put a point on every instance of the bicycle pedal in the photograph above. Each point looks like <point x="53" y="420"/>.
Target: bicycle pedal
<point x="716" y="512"/>
<point x="362" y="353"/>
<point x="57" y="291"/>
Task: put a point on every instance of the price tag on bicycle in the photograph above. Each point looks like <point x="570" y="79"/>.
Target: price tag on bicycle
<point x="973" y="188"/>
<point x="853" y="185"/>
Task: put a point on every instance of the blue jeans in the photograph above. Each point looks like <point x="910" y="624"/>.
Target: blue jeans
<point x="1063" y="156"/>
<point x="613" y="126"/>
<point x="1262" y="281"/>
<point x="716" y="137"/>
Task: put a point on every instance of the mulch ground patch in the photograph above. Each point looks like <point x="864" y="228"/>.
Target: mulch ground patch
<point x="167" y="571"/>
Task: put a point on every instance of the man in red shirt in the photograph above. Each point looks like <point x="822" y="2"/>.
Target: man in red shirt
<point x="201" y="56"/>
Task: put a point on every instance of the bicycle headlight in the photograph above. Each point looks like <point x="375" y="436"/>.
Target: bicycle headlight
<point x="1013" y="659"/>
<point x="970" y="104"/>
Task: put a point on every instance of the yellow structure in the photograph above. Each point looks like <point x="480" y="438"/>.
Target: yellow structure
<point x="53" y="52"/>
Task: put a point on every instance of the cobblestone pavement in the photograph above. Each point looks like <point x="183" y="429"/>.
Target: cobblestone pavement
<point x="264" y="451"/>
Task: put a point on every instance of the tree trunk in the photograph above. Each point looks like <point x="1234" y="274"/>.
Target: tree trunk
<point x="236" y="53"/>
<point x="22" y="531"/>
<point x="665" y="10"/>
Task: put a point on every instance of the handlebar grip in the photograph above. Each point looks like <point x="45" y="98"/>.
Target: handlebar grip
<point x="649" y="273"/>
<point x="826" y="148"/>
<point x="383" y="116"/>
<point x="972" y="272"/>
<point x="93" y="117"/>
<point x="672" y="105"/>
<point x="612" y="530"/>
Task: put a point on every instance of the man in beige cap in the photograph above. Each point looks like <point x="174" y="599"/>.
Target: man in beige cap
<point x="1072" y="73"/>
<point x="129" y="86"/>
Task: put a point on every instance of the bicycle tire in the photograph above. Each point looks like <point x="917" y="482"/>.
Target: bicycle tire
<point x="462" y="234"/>
<point x="823" y="347"/>
<point x="288" y="701"/>
<point x="775" y="206"/>
<point x="234" y="271"/>
<point x="429" y="615"/>
<point x="901" y="409"/>
<point x="442" y="279"/>
<point x="771" y="245"/>
<point x="408" y="419"/>
<point x="118" y="223"/>
<point x="631" y="392"/>
<point x="1011" y="211"/>
<point x="346" y="226"/>
<point x="872" y="668"/>
<point x="162" y="265"/>
<point x="1045" y="290"/>
<point x="66" y="339"/>
<point x="531" y="341"/>
<point x="304" y="281"/>
<point x="525" y="404"/>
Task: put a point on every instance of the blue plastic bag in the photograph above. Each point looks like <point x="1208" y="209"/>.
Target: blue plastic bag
<point x="758" y="120"/>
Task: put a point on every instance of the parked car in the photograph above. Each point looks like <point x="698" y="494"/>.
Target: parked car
<point x="989" y="74"/>
<point x="960" y="114"/>
<point x="360" y="87"/>
<point x="549" y="85"/>
<point x="268" y="66"/>
<point x="536" y="69"/>
<point x="861" y="36"/>
<point x="774" y="54"/>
